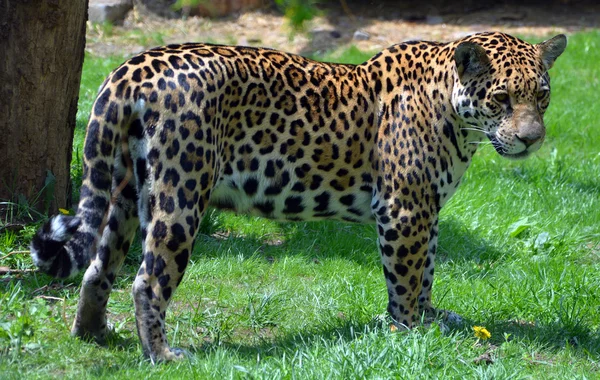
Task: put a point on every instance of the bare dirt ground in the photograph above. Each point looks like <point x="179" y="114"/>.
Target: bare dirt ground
<point x="383" y="23"/>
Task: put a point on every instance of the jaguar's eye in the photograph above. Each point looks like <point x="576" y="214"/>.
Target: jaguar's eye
<point x="541" y="94"/>
<point x="501" y="97"/>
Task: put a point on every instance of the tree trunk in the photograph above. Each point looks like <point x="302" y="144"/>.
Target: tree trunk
<point x="41" y="57"/>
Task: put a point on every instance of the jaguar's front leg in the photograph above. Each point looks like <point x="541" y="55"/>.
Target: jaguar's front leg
<point x="403" y="243"/>
<point x="425" y="305"/>
<point x="425" y="297"/>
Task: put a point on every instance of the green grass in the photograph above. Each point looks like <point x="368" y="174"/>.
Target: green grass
<point x="519" y="254"/>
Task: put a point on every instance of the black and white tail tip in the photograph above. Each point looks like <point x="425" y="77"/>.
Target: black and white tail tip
<point x="49" y="250"/>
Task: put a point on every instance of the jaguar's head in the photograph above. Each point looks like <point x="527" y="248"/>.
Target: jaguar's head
<point x="502" y="89"/>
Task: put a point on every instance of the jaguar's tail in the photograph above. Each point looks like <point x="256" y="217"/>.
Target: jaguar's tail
<point x="50" y="251"/>
<point x="65" y="244"/>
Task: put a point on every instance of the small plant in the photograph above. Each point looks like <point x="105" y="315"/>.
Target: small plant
<point x="298" y="12"/>
<point x="19" y="322"/>
<point x="263" y="310"/>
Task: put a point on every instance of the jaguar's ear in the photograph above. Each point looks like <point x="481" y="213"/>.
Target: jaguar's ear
<point x="470" y="59"/>
<point x="551" y="49"/>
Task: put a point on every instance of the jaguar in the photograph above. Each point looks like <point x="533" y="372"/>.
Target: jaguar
<point x="181" y="128"/>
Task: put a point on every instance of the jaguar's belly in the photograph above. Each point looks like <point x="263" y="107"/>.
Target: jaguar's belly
<point x="289" y="199"/>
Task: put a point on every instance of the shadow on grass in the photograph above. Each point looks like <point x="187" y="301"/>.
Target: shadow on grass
<point x="457" y="243"/>
<point x="281" y="344"/>
<point x="338" y="240"/>
<point x="315" y="241"/>
<point x="553" y="337"/>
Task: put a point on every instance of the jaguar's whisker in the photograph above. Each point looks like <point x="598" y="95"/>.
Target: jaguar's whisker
<point x="473" y="129"/>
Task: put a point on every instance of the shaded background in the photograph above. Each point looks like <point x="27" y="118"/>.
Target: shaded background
<point x="370" y="25"/>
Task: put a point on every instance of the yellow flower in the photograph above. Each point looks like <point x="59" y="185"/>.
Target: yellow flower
<point x="481" y="332"/>
<point x="63" y="211"/>
<point x="393" y="328"/>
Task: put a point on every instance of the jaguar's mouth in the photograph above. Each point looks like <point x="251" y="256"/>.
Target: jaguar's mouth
<point x="501" y="149"/>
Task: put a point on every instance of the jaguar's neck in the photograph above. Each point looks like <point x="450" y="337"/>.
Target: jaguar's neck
<point x="413" y="92"/>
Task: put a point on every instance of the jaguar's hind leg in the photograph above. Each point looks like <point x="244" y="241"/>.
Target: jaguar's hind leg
<point x="168" y="234"/>
<point x="121" y="224"/>
<point x="167" y="250"/>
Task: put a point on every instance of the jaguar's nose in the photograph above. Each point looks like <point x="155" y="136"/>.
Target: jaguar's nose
<point x="528" y="140"/>
<point x="529" y="126"/>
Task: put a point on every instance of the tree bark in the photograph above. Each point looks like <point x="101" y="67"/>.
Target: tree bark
<point x="41" y="56"/>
